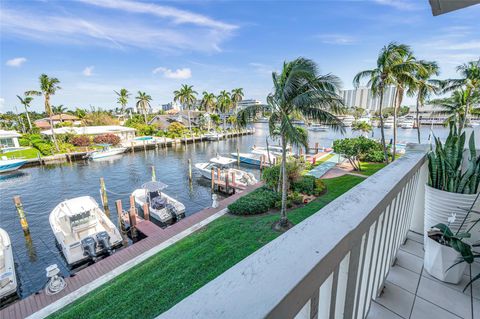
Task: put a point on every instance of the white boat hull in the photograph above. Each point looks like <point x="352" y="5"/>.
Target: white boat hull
<point x="10" y="165"/>
<point x="242" y="178"/>
<point x="8" y="280"/>
<point x="108" y="153"/>
<point x="161" y="215"/>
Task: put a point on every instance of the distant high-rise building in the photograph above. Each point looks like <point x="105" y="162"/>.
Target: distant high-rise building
<point x="363" y="97"/>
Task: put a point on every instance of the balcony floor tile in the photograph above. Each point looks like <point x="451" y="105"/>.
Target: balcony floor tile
<point x="413" y="247"/>
<point x="378" y="311"/>
<point x="404" y="278"/>
<point x="409" y="261"/>
<point x="397" y="299"/>
<point x="424" y="309"/>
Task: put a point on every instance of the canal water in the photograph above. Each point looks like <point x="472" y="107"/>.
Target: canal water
<point x="42" y="188"/>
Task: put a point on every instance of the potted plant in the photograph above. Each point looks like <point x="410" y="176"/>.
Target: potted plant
<point x="452" y="186"/>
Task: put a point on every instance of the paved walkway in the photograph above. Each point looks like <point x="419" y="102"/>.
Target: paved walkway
<point x="41" y="305"/>
<point x="411" y="293"/>
<point x="321" y="169"/>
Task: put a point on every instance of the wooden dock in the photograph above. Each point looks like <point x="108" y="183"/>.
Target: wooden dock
<point x="154" y="237"/>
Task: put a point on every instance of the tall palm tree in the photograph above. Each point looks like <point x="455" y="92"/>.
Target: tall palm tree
<point x="298" y="89"/>
<point x="456" y="106"/>
<point x="187" y="97"/>
<point x="48" y="87"/>
<point x="225" y="104"/>
<point x="122" y="99"/>
<point x="383" y="75"/>
<point x="208" y="102"/>
<point x="236" y="97"/>
<point x="143" y="103"/>
<point x="424" y="87"/>
<point x="26" y="104"/>
<point x="469" y="82"/>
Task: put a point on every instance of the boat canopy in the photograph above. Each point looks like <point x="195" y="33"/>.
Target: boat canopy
<point x="220" y="160"/>
<point x="78" y="205"/>
<point x="154" y="186"/>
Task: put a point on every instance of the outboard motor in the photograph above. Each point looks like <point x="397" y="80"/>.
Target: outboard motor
<point x="89" y="246"/>
<point x="104" y="241"/>
<point x="173" y="211"/>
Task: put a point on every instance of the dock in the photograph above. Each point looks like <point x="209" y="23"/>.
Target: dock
<point x="41" y="305"/>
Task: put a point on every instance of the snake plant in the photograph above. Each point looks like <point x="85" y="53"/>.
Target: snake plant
<point x="445" y="164"/>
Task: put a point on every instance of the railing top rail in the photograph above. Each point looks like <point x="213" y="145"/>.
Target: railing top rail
<point x="299" y="261"/>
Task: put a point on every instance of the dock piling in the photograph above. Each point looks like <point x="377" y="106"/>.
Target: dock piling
<point x="21" y="213"/>
<point x="132" y="217"/>
<point x="154" y="175"/>
<point x="146" y="213"/>
<point x="213" y="179"/>
<point x="238" y="157"/>
<point x="133" y="147"/>
<point x="190" y="170"/>
<point x="121" y="225"/>
<point x="103" y="193"/>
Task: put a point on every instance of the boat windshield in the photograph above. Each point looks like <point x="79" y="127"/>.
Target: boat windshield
<point x="81" y="219"/>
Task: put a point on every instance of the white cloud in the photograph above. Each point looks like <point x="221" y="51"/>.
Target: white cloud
<point x="336" y="39"/>
<point x="16" y="62"/>
<point x="88" y="71"/>
<point x="399" y="4"/>
<point x="184" y="73"/>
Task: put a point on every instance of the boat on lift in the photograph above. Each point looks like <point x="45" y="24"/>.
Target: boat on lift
<point x="9" y="165"/>
<point x="225" y="164"/>
<point x="8" y="280"/>
<point x="106" y="151"/>
<point x="82" y="230"/>
<point x="162" y="207"/>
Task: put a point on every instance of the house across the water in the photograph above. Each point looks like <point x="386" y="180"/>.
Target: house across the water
<point x="125" y="133"/>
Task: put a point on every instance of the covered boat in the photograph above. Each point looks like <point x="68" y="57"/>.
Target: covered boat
<point x="8" y="281"/>
<point x="225" y="164"/>
<point x="106" y="151"/>
<point x="82" y="230"/>
<point x="162" y="207"/>
<point x="9" y="165"/>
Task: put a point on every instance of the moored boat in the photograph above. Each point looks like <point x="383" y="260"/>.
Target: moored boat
<point x="106" y="151"/>
<point x="9" y="165"/>
<point x="408" y="124"/>
<point x="213" y="136"/>
<point x="255" y="158"/>
<point x="388" y="123"/>
<point x="8" y="280"/>
<point x="82" y="230"/>
<point x="161" y="207"/>
<point x="225" y="164"/>
<point x="315" y="127"/>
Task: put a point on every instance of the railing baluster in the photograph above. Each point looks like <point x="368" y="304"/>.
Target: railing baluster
<point x="361" y="273"/>
<point x="314" y="305"/>
<point x="366" y="271"/>
<point x="333" y="296"/>
<point x="352" y="282"/>
<point x="325" y="296"/>
<point x="381" y="259"/>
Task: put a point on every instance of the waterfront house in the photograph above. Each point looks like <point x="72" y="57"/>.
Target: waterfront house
<point x="9" y="139"/>
<point x="163" y="121"/>
<point x="125" y="133"/>
<point x="44" y="124"/>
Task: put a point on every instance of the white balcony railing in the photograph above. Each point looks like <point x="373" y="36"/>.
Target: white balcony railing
<point x="329" y="266"/>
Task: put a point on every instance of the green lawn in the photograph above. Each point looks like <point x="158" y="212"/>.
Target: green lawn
<point x="176" y="272"/>
<point x="324" y="159"/>
<point x="26" y="153"/>
<point x="369" y="169"/>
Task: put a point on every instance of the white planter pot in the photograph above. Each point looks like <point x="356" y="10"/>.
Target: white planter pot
<point x="438" y="258"/>
<point x="439" y="205"/>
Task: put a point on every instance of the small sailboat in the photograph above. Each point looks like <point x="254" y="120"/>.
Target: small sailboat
<point x="8" y="280"/>
<point x="9" y="165"/>
<point x="82" y="230"/>
<point x="162" y="207"/>
<point x="225" y="164"/>
<point x="106" y="151"/>
<point x="213" y="136"/>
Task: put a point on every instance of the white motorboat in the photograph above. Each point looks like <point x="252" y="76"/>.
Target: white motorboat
<point x="408" y="124"/>
<point x="9" y="165"/>
<point x="388" y="123"/>
<point x="275" y="150"/>
<point x="225" y="164"/>
<point x="161" y="207"/>
<point x="8" y="280"/>
<point x="106" y="151"/>
<point x="347" y="121"/>
<point x="365" y="119"/>
<point x="315" y="127"/>
<point x="82" y="230"/>
<point x="213" y="136"/>
<point x="255" y="157"/>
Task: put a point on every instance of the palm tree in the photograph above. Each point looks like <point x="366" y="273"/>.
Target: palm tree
<point x="298" y="89"/>
<point x="208" y="102"/>
<point x="236" y="97"/>
<point x="143" y="103"/>
<point x="388" y="66"/>
<point x="225" y="104"/>
<point x="469" y="82"/>
<point x="456" y="106"/>
<point x="26" y="104"/>
<point x="363" y="127"/>
<point x="48" y="87"/>
<point x="187" y="97"/>
<point x="122" y="99"/>
<point x="424" y="87"/>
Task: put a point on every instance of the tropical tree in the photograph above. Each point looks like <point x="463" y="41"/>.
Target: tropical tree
<point x="122" y="99"/>
<point x="143" y="103"/>
<point x="224" y="102"/>
<point x="26" y="104"/>
<point x="187" y="97"/>
<point x="424" y="87"/>
<point x="298" y="89"/>
<point x="390" y="64"/>
<point x="236" y="96"/>
<point x="208" y="102"/>
<point x="362" y="126"/>
<point x="456" y="107"/>
<point x="48" y="87"/>
<point x="469" y="82"/>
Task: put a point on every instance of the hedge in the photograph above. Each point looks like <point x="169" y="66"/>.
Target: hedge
<point x="257" y="202"/>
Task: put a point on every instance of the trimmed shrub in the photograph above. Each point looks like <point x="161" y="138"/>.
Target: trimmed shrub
<point x="44" y="148"/>
<point x="257" y="202"/>
<point x="296" y="198"/>
<point x="107" y="139"/>
<point x="81" y="140"/>
<point x="309" y="185"/>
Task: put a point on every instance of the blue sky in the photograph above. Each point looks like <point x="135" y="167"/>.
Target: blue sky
<point x="97" y="46"/>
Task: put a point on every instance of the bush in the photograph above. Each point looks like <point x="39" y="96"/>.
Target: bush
<point x="320" y="187"/>
<point x="309" y="185"/>
<point x="176" y="130"/>
<point x="296" y="198"/>
<point x="257" y="202"/>
<point x="359" y="149"/>
<point x="375" y="156"/>
<point x="81" y="140"/>
<point x="45" y="148"/>
<point x="107" y="139"/>
<point x="66" y="147"/>
<point x="294" y="169"/>
<point x="144" y="129"/>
